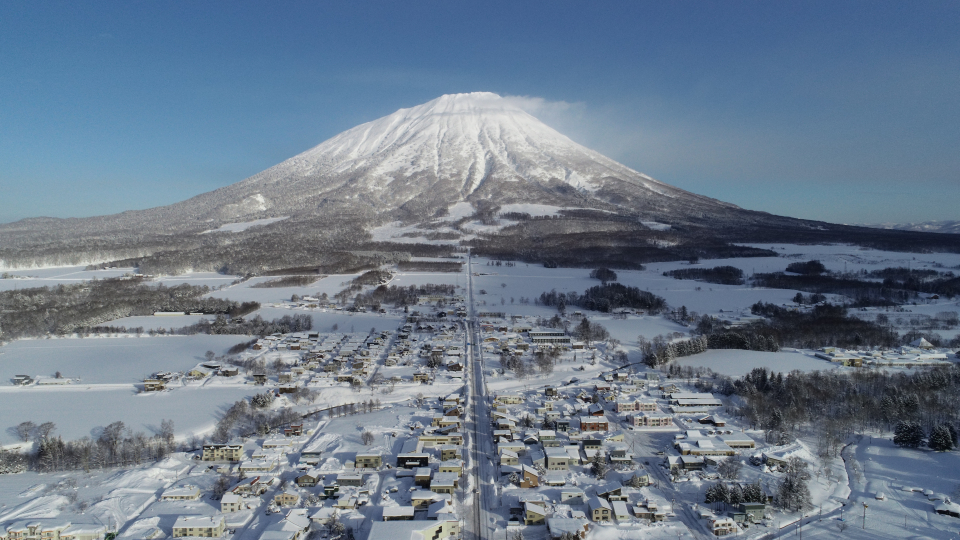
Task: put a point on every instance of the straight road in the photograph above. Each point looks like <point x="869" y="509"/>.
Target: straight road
<point x="479" y="526"/>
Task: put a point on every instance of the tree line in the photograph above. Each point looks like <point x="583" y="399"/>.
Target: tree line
<point x="63" y="309"/>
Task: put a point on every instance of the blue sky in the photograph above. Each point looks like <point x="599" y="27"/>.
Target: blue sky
<point x="841" y="111"/>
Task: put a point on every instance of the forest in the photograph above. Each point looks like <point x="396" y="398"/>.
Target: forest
<point x="723" y="275"/>
<point x="824" y="325"/>
<point x="885" y="287"/>
<point x="605" y="298"/>
<point x="836" y="406"/>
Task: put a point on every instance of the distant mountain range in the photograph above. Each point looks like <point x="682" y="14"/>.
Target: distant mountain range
<point x="949" y="227"/>
<point x="458" y="170"/>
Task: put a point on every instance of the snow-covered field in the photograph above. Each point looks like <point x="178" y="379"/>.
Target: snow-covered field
<point x="124" y="360"/>
<point x="79" y="410"/>
<point x="49" y="277"/>
<point x="239" y="227"/>
<point x="737" y="363"/>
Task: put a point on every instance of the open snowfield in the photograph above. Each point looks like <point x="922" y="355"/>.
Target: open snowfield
<point x="210" y="279"/>
<point x="737" y="363"/>
<point x="902" y="514"/>
<point x="48" y="277"/>
<point x="151" y="322"/>
<point x="239" y="227"/>
<point x="79" y="410"/>
<point x="244" y="292"/>
<point x="108" y="360"/>
<point x="324" y="319"/>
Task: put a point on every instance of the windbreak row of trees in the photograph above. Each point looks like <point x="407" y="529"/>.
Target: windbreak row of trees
<point x="63" y="309"/>
<point x="115" y="445"/>
<point x="399" y="296"/>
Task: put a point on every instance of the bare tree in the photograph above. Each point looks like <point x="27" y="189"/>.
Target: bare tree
<point x="25" y="430"/>
<point x="45" y="429"/>
<point x="367" y="437"/>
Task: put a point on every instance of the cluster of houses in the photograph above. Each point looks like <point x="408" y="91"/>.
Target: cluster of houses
<point x="920" y="353"/>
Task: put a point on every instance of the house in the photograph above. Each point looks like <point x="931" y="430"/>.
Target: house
<point x="566" y="527"/>
<point x="287" y="498"/>
<point x="723" y="526"/>
<point x="600" y="509"/>
<point x="594" y="423"/>
<point x="612" y="491"/>
<point x="398" y="513"/>
<point x="231" y="502"/>
<point x="620" y="511"/>
<point x="530" y="478"/>
<point x="353" y="480"/>
<point x="310" y="479"/>
<point x="260" y="378"/>
<point x="154" y="385"/>
<point x="449" y="451"/>
<point x="649" y="510"/>
<point x="36" y="529"/>
<point x="422" y="476"/>
<point x="415" y="530"/>
<point x="255" y="486"/>
<point x="412" y="460"/>
<point x="293" y="430"/>
<point x="182" y="493"/>
<point x="691" y="463"/>
<point x="208" y="526"/>
<point x="646" y="420"/>
<point x="444" y="483"/>
<point x="738" y="441"/>
<point x="451" y="466"/>
<point x="421" y="377"/>
<point x="555" y="479"/>
<point x="572" y="495"/>
<point x="752" y="512"/>
<point x="368" y="460"/>
<point x="310" y="457"/>
<point x="557" y="459"/>
<point x="643" y="479"/>
<point x="508" y="399"/>
<point x="276" y="443"/>
<point x="346" y="502"/>
<point x="264" y="465"/>
<point x="421" y="499"/>
<point x="534" y="514"/>
<point x="222" y="452"/>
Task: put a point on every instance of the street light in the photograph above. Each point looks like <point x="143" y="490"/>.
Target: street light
<point x="864" y="515"/>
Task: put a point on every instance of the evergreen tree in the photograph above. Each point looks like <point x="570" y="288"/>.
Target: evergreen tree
<point x="941" y="439"/>
<point x="753" y="493"/>
<point x="908" y="434"/>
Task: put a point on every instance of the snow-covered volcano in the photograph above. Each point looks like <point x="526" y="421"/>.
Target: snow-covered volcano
<point x="430" y="167"/>
<point x="467" y="139"/>
<point x="458" y="147"/>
